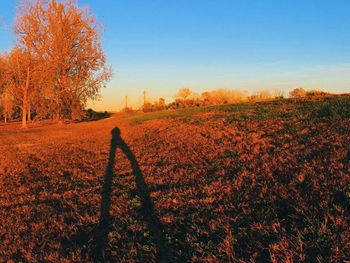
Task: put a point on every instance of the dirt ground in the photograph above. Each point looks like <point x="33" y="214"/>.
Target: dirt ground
<point x="173" y="190"/>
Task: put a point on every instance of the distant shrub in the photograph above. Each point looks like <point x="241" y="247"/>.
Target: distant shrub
<point x="222" y="96"/>
<point x="148" y="107"/>
<point x="129" y="110"/>
<point x="261" y="96"/>
<point x="90" y="114"/>
<point x="265" y="95"/>
<point x="156" y="106"/>
<point x="312" y="93"/>
<point x="297" y="93"/>
<point x="188" y="103"/>
<point x="278" y="94"/>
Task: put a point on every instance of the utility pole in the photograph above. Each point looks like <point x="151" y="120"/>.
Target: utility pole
<point x="126" y="102"/>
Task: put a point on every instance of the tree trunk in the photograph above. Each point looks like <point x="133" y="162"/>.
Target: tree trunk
<point x="60" y="99"/>
<point x="59" y="115"/>
<point x="5" y="118"/>
<point x="24" y="115"/>
<point x="25" y="101"/>
<point x="29" y="114"/>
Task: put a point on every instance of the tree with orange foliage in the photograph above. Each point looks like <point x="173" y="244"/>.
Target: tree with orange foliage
<point x="2" y="70"/>
<point x="18" y="79"/>
<point x="7" y="104"/>
<point x="5" y="99"/>
<point x="2" y="73"/>
<point x="67" y="41"/>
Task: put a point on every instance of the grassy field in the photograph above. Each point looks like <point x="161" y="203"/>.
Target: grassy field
<point x="252" y="182"/>
<point x="331" y="108"/>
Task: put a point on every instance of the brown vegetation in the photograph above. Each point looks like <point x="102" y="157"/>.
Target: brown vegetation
<point x="156" y="106"/>
<point x="246" y="182"/>
<point x="297" y="93"/>
<point x="316" y="93"/>
<point x="249" y="178"/>
<point x="223" y="96"/>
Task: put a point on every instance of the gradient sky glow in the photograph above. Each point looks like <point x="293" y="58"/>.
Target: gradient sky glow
<point x="163" y="45"/>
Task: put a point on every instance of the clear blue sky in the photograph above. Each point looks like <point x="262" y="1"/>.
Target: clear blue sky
<point x="163" y="45"/>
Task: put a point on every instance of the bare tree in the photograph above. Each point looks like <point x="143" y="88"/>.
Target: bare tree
<point x="183" y="93"/>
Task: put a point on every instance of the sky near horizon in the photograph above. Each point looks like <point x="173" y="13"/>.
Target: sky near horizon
<point x="163" y="45"/>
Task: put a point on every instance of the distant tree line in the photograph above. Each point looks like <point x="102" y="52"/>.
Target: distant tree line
<point x="186" y="98"/>
<point x="56" y="65"/>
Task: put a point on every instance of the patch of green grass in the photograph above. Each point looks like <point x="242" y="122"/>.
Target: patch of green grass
<point x="184" y="114"/>
<point x="333" y="108"/>
<point x="239" y="110"/>
<point x="229" y="154"/>
<point x="291" y="128"/>
<point x="236" y="117"/>
<point x="136" y="202"/>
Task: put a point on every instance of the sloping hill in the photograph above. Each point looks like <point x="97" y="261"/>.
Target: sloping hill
<point x="248" y="182"/>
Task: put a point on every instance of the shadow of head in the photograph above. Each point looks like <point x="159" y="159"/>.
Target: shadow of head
<point x="116" y="134"/>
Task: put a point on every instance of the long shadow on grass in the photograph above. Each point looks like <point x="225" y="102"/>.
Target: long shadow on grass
<point x="148" y="210"/>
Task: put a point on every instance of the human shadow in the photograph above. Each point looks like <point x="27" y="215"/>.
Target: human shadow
<point x="147" y="206"/>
